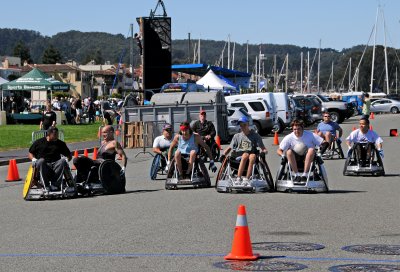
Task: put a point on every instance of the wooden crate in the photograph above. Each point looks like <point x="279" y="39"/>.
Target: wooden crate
<point x="133" y="135"/>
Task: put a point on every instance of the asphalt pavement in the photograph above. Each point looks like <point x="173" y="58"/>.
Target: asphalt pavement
<point x="153" y="229"/>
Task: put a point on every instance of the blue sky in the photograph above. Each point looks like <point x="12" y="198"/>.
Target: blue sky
<point x="338" y="23"/>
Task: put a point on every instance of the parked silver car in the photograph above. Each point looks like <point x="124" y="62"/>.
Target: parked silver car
<point x="234" y="114"/>
<point x="385" y="105"/>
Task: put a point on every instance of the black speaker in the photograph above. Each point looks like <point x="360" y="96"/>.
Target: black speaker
<point x="156" y="51"/>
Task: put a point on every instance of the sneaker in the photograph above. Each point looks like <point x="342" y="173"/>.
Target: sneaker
<point x="237" y="181"/>
<point x="304" y="178"/>
<point x="245" y="182"/>
<point x="54" y="188"/>
<point x="297" y="179"/>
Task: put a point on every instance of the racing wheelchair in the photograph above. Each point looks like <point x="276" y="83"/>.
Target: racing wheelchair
<point x="334" y="151"/>
<point x="158" y="166"/>
<point x="260" y="180"/>
<point x="317" y="178"/>
<point x="198" y="178"/>
<point x="103" y="178"/>
<point x="363" y="159"/>
<point x="35" y="189"/>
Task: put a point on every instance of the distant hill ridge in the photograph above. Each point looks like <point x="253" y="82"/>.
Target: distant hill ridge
<point x="85" y="46"/>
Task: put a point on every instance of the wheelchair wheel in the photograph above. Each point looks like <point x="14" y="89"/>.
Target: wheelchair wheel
<point x="380" y="162"/>
<point x="171" y="169"/>
<point x="204" y="171"/>
<point x="28" y="182"/>
<point x="155" y="166"/>
<point x="215" y="151"/>
<point x="267" y="174"/>
<point x="340" y="150"/>
<point x="221" y="171"/>
<point x="111" y="179"/>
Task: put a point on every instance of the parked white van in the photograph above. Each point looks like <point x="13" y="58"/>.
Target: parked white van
<point x="258" y="108"/>
<point x="284" y="111"/>
<point x="281" y="113"/>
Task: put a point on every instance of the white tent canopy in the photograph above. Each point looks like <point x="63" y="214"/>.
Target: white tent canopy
<point x="2" y="80"/>
<point x="212" y="81"/>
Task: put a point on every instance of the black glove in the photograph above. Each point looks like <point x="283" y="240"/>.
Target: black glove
<point x="212" y="166"/>
<point x="262" y="156"/>
<point x="222" y="158"/>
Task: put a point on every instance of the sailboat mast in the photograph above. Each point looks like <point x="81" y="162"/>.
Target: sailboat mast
<point x="301" y="72"/>
<point x="233" y="56"/>
<point x="247" y="57"/>
<point x="198" y="53"/>
<point x="287" y="73"/>
<point x="332" y="78"/>
<point x="373" y="52"/>
<point x="308" y="71"/>
<point x="131" y="50"/>
<point x="229" y="51"/>
<point x="386" y="60"/>
<point x="319" y="64"/>
<point x="349" y="73"/>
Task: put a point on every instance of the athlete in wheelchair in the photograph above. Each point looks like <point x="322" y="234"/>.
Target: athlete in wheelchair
<point x="186" y="168"/>
<point x="331" y="132"/>
<point x="302" y="168"/>
<point x="206" y="130"/>
<point x="161" y="145"/>
<point x="103" y="175"/>
<point x="50" y="175"/>
<point x="246" y="169"/>
<point x="365" y="156"/>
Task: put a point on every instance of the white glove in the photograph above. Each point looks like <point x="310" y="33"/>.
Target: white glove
<point x="167" y="167"/>
<point x="34" y="161"/>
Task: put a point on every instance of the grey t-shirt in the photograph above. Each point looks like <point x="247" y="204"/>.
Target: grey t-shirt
<point x="246" y="143"/>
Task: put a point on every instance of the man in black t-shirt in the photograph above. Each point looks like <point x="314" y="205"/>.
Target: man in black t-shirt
<point x="45" y="154"/>
<point x="204" y="128"/>
<point x="49" y="118"/>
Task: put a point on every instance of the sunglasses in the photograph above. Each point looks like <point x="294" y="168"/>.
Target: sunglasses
<point x="327" y="116"/>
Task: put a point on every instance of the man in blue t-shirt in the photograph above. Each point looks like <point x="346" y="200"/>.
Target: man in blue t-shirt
<point x="327" y="130"/>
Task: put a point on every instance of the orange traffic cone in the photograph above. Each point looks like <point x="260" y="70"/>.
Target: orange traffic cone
<point x="95" y="153"/>
<point x="276" y="139"/>
<point x="75" y="156"/>
<point x="13" y="174"/>
<point x="393" y="132"/>
<point x="372" y="116"/>
<point x="85" y="153"/>
<point x="241" y="245"/>
<point x="218" y="141"/>
<point x="371" y="127"/>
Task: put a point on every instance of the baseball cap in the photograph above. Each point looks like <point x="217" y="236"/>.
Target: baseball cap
<point x="167" y="127"/>
<point x="243" y="119"/>
<point x="203" y="112"/>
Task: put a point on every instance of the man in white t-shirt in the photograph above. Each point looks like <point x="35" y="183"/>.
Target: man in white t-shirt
<point x="300" y="145"/>
<point x="162" y="143"/>
<point x="365" y="136"/>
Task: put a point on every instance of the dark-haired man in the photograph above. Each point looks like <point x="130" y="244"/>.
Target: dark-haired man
<point x="45" y="154"/>
<point x="367" y="137"/>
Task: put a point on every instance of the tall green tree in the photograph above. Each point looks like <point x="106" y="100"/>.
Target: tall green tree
<point x="51" y="55"/>
<point x="22" y="51"/>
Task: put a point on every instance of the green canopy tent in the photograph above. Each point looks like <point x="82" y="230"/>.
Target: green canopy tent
<point x="36" y="80"/>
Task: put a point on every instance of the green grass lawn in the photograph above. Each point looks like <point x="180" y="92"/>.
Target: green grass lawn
<point x="20" y="136"/>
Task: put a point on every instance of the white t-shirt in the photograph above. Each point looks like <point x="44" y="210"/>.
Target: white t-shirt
<point x="310" y="139"/>
<point x="358" y="137"/>
<point x="162" y="143"/>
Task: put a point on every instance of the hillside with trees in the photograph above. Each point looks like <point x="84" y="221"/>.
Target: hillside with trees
<point x="101" y="47"/>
